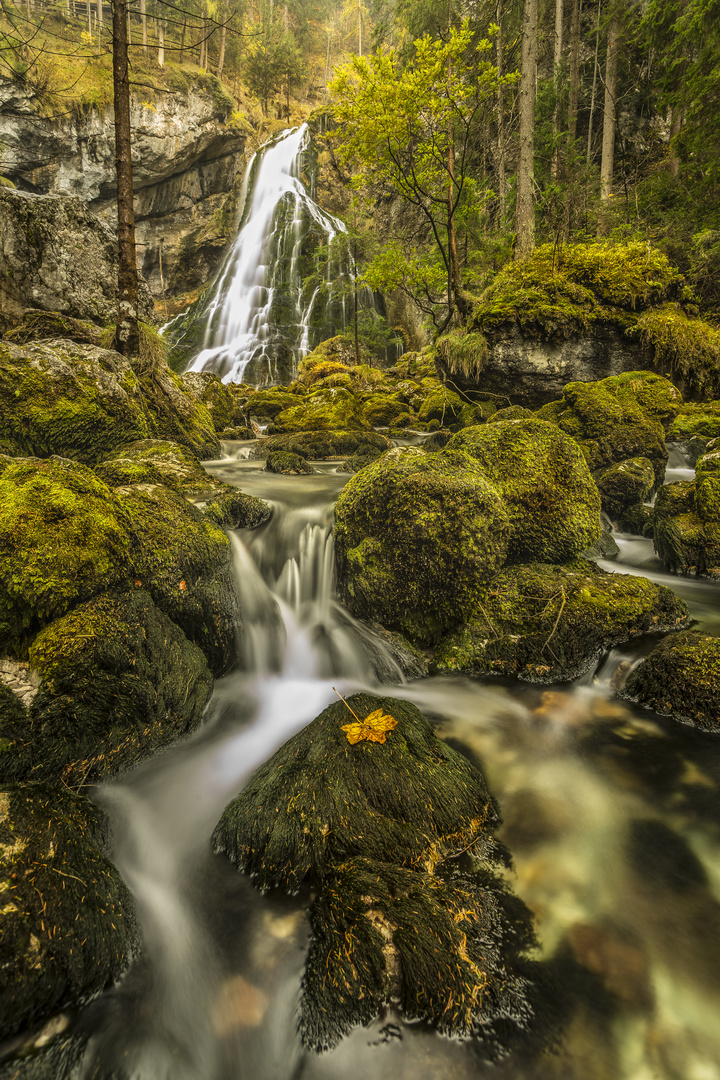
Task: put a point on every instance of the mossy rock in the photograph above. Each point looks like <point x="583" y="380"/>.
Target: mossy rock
<point x="510" y="412"/>
<point x="236" y="434"/>
<point x="541" y="475"/>
<point x="687" y="347"/>
<point x="681" y="678"/>
<point x="410" y="800"/>
<point x="416" y="535"/>
<point x="280" y="461"/>
<point x="686" y="521"/>
<point x="693" y="420"/>
<point x="183" y="559"/>
<point x="74" y="400"/>
<point x="63" y="539"/>
<point x="157" y="461"/>
<point x="314" y="369"/>
<point x="177" y="414"/>
<point x="624" y="488"/>
<point x="320" y="445"/>
<point x="37" y="325"/>
<point x="15" y="749"/>
<point x="543" y="623"/>
<point x="441" y="404"/>
<point x="617" y="418"/>
<point x="270" y="403"/>
<point x="236" y="510"/>
<point x="120" y="681"/>
<point x="362" y="457"/>
<point x="380" y="411"/>
<point x="68" y="927"/>
<point x="437" y="441"/>
<point x="376" y="828"/>
<point x="325" y="410"/>
<point x="215" y="396"/>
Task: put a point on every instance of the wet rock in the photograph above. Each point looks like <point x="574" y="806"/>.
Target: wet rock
<point x="416" y="535"/>
<point x="544" y="623"/>
<point x="543" y="480"/>
<point x="68" y="928"/>
<point x="281" y="461"/>
<point x="621" y="964"/>
<point x="696" y="421"/>
<point x="437" y="441"/>
<point x="60" y="397"/>
<point x="324" y="410"/>
<point x="318" y="445"/>
<point x="63" y="538"/>
<point x="375" y="827"/>
<point x="681" y="678"/>
<point x="119" y="682"/>
<point x="215" y="396"/>
<point x="270" y="403"/>
<point x="686" y="521"/>
<point x="605" y="547"/>
<point x="624" y="488"/>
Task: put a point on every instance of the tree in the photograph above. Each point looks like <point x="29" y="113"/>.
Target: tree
<point x="607" y="164"/>
<point x="127" y="335"/>
<point x="525" y="201"/>
<point x="409" y="130"/>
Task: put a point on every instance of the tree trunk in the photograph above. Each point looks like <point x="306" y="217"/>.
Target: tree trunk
<point x="557" y="61"/>
<point x="161" y="43"/>
<point x="594" y="85"/>
<point x="675" y="128"/>
<point x="143" y="20"/>
<point x="127" y="336"/>
<point x="607" y="163"/>
<point x="221" y="57"/>
<point x="574" y="80"/>
<point x="359" y="27"/>
<point x="203" y="45"/>
<point x="502" y="182"/>
<point x="100" y="16"/>
<point x="524" y="207"/>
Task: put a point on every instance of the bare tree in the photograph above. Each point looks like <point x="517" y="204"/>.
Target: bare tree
<point x="525" y="204"/>
<point x="607" y="163"/>
<point x="127" y="335"/>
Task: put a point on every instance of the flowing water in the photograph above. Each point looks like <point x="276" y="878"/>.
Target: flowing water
<point x="611" y="813"/>
<point x="285" y="285"/>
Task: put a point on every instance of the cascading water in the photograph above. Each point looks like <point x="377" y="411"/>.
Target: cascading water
<point x="281" y="289"/>
<point x="612" y="815"/>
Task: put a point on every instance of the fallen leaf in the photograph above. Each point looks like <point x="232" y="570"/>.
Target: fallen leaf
<point x="372" y="728"/>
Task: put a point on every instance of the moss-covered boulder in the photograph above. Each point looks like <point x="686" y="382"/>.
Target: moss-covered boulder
<point x="183" y="559"/>
<point x="416" y="535"/>
<point x="60" y="397"/>
<point x="324" y="410"/>
<point x="215" y="396"/>
<point x="621" y="417"/>
<point x="681" y="678"/>
<point x="280" y="461"/>
<point x="176" y="413"/>
<point x="67" y="924"/>
<point x="545" y="623"/>
<point x="119" y="681"/>
<point x="380" y="411"/>
<point x="686" y="521"/>
<point x="63" y="539"/>
<point x="440" y="403"/>
<point x="695" y="427"/>
<point x="37" y="325"/>
<point x="267" y="404"/>
<point x="624" y="489"/>
<point x="157" y="461"/>
<point x="320" y="445"/>
<point x="236" y="510"/>
<point x="541" y="475"/>
<point x="510" y="412"/>
<point x="362" y="457"/>
<point x="375" y="825"/>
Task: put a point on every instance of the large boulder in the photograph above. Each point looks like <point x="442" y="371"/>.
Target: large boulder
<point x="546" y="624"/>
<point x="681" y="678"/>
<point x="68" y="928"/>
<point x="157" y="461"/>
<point x="119" y="681"/>
<point x="217" y="398"/>
<point x="177" y="413"/>
<point x="695" y="426"/>
<point x="60" y="397"/>
<point x="63" y="539"/>
<point x="686" y="521"/>
<point x="324" y="410"/>
<point x="371" y="810"/>
<point x="625" y="488"/>
<point x="58" y="256"/>
<point x="416" y="536"/>
<point x="541" y="475"/>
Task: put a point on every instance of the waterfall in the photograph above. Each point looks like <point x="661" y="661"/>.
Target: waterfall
<point x="280" y="291"/>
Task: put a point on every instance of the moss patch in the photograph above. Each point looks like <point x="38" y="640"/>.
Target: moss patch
<point x="157" y="461"/>
<point x="236" y="510"/>
<point x="280" y="461"/>
<point x="687" y="347"/>
<point x="324" y="410"/>
<point x="686" y="521"/>
<point x="681" y="678"/>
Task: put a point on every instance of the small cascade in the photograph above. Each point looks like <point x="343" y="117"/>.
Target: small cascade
<point x="280" y="291"/>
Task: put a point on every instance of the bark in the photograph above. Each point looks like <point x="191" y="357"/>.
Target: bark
<point x="524" y="207"/>
<point x="574" y="81"/>
<point x="557" y="61"/>
<point x="594" y="85"/>
<point x="161" y="43"/>
<point x="127" y="336"/>
<point x="607" y="164"/>
<point x="143" y="20"/>
<point x="502" y="181"/>
<point x="221" y="57"/>
<point x="675" y="128"/>
<point x="100" y="16"/>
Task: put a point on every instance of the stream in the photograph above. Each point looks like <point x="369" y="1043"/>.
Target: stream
<point x="611" y="814"/>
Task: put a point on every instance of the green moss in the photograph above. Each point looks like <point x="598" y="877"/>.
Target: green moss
<point x="510" y="412"/>
<point x="68" y="928"/>
<point x="681" y="678"/>
<point x="696" y="420"/>
<point x="280" y="461"/>
<point x="269" y="403"/>
<point x="541" y="475"/>
<point x="319" y="445"/>
<point x="63" y="538"/>
<point x="36" y="325"/>
<point x="324" y="410"/>
<point x="15" y="736"/>
<point x="463" y="353"/>
<point x="440" y="403"/>
<point x="686" y="522"/>
<point x="176" y="415"/>
<point x="70" y="399"/>
<point x="416" y="534"/>
<point x="380" y="410"/>
<point x="157" y="461"/>
<point x="362" y="457"/>
<point x="215" y="396"/>
<point x="624" y="488"/>
<point x="687" y="347"/>
<point x="707" y="488"/>
<point x="546" y="623"/>
<point x="235" y="509"/>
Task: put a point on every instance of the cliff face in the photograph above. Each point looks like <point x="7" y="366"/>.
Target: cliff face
<point x="187" y="154"/>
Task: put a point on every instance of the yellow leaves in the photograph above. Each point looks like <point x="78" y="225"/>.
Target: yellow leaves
<point x="373" y="728"/>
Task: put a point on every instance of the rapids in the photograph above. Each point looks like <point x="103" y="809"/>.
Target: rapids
<point x="611" y="813"/>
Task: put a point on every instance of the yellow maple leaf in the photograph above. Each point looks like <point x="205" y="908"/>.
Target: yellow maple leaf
<point x="372" y="728"/>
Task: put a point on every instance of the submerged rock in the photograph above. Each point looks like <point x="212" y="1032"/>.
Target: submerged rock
<point x="377" y="824"/>
<point x="68" y="928"/>
<point x="119" y="682"/>
<point x="416" y="536"/>
<point x="681" y="678"/>
<point x="686" y="521"/>
<point x="546" y="623"/>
